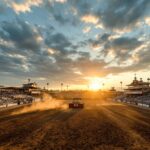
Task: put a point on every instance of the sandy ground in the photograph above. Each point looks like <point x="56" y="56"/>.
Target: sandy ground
<point x="99" y="127"/>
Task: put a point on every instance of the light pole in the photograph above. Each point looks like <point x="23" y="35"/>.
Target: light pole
<point x="47" y="85"/>
<point x="121" y="84"/>
<point x="148" y="79"/>
<point x="61" y="86"/>
<point x="67" y="87"/>
<point x="103" y="85"/>
<point x="29" y="80"/>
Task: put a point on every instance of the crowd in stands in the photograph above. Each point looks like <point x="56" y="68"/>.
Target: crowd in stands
<point x="143" y="100"/>
<point x="14" y="97"/>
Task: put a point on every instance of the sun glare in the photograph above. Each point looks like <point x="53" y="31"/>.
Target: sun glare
<point x="95" y="84"/>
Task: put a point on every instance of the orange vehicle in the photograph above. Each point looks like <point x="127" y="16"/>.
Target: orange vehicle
<point x="76" y="103"/>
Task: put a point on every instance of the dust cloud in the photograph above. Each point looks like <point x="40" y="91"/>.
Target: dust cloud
<point x="47" y="103"/>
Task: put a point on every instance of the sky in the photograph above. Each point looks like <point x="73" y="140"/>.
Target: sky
<point x="74" y="42"/>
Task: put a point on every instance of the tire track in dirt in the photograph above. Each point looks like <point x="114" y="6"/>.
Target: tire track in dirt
<point x="89" y="129"/>
<point x="52" y="123"/>
<point x="25" y="128"/>
<point x="126" y="124"/>
<point x="23" y="137"/>
<point x="113" y="134"/>
<point x="139" y="122"/>
<point x="61" y="136"/>
<point x="98" y="128"/>
<point x="19" y="120"/>
<point x="137" y="115"/>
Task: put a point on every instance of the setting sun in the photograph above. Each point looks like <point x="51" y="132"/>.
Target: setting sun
<point x="95" y="84"/>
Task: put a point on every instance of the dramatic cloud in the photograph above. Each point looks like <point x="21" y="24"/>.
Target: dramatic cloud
<point x="73" y="40"/>
<point x="58" y="42"/>
<point x="122" y="14"/>
<point x="22" y="34"/>
<point x="147" y="20"/>
<point x="120" y="49"/>
<point x="24" y="6"/>
<point x="114" y="14"/>
<point x="90" y="19"/>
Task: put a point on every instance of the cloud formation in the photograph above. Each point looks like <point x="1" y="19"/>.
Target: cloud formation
<point x="23" y="6"/>
<point x="69" y="40"/>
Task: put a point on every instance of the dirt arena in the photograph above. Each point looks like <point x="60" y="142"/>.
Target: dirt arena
<point x="97" y="127"/>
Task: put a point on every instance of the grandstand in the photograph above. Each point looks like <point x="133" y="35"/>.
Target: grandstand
<point x="19" y="95"/>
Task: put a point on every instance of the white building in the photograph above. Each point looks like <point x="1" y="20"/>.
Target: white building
<point x="138" y="87"/>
